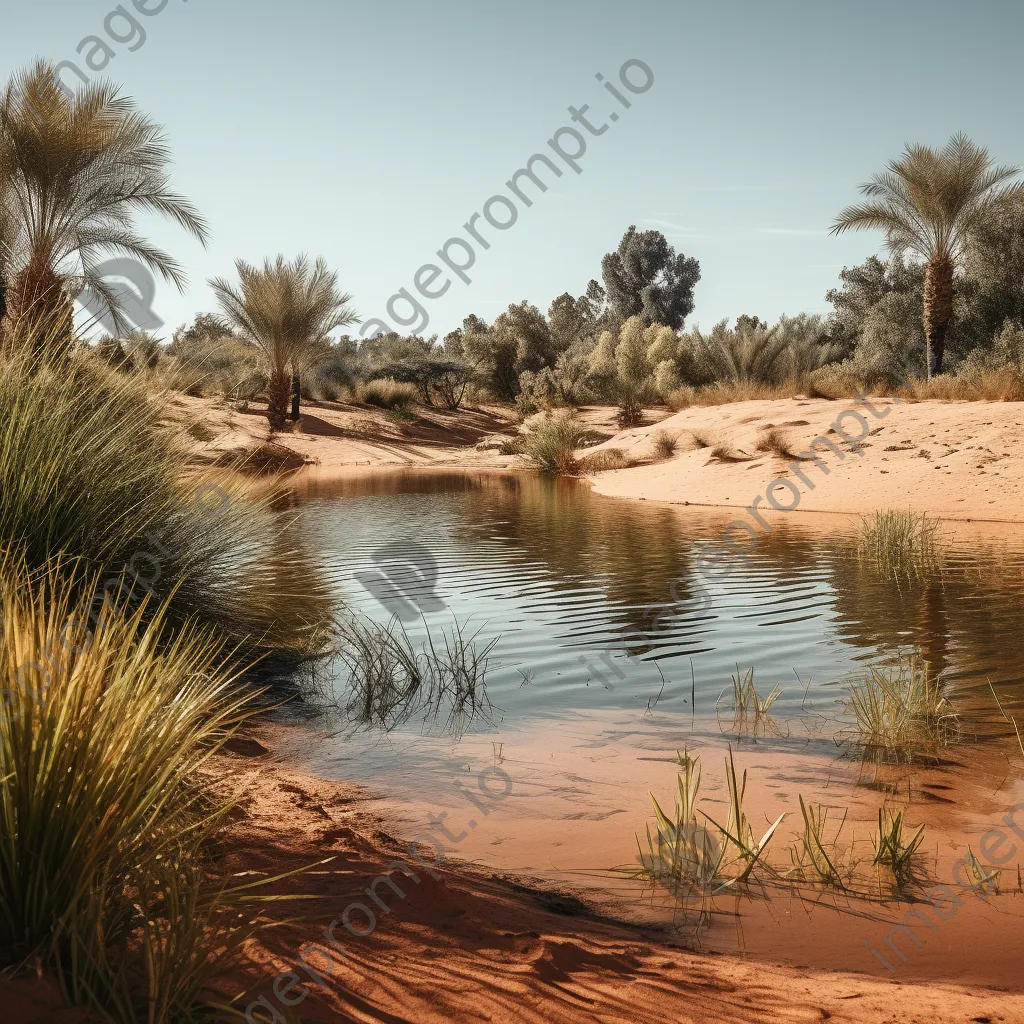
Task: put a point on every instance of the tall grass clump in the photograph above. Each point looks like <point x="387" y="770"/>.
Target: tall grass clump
<point x="901" y="709"/>
<point x="386" y="393"/>
<point x="902" y="545"/>
<point x="664" y="445"/>
<point x="551" y="444"/>
<point x="392" y="680"/>
<point x="90" y="471"/>
<point x="106" y="823"/>
<point x="684" y="856"/>
<point x="604" y="460"/>
<point x="816" y="857"/>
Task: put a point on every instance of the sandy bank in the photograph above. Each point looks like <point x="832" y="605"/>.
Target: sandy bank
<point x="955" y="460"/>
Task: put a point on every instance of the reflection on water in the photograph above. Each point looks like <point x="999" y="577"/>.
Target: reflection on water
<point x="596" y="604"/>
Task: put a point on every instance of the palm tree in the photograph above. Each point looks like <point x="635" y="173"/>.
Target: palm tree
<point x="927" y="203"/>
<point x="74" y="172"/>
<point x="286" y="310"/>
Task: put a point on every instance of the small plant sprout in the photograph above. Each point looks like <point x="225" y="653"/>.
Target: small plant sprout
<point x="739" y="832"/>
<point x="985" y="882"/>
<point x="746" y="699"/>
<point x="682" y="855"/>
<point x="816" y="858"/>
<point x="893" y="850"/>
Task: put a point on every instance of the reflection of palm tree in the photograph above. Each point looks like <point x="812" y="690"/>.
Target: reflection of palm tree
<point x="926" y="203"/>
<point x="74" y="171"/>
<point x="286" y="310"/>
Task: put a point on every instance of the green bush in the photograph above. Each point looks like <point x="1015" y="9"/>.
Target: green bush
<point x="551" y="444"/>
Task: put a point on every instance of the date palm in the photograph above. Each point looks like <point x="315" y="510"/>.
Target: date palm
<point x="287" y="311"/>
<point x="75" y="170"/>
<point x="927" y="202"/>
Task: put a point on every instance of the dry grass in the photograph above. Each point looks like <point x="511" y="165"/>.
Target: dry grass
<point x="386" y="393"/>
<point x="727" y="453"/>
<point x="775" y="441"/>
<point x="664" y="444"/>
<point x="983" y="386"/>
<point x="604" y="460"/>
<point x="681" y="398"/>
<point x="902" y="545"/>
<point x="724" y="392"/>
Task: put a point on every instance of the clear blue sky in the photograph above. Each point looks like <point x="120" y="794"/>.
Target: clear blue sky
<point x="370" y="132"/>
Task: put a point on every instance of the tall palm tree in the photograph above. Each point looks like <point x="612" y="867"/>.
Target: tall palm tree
<point x="927" y="202"/>
<point x="286" y="310"/>
<point x="74" y="172"/>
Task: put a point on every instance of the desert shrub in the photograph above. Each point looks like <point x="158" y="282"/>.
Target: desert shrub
<point x="604" y="460"/>
<point x="664" y="444"/>
<point x="106" y="871"/>
<point x="572" y="374"/>
<point x="207" y="359"/>
<point x="552" y="442"/>
<point x="386" y="393"/>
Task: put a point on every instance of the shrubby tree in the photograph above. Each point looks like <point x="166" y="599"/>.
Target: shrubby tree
<point x="621" y="371"/>
<point x="862" y="288"/>
<point x="645" y="277"/>
<point x="572" y="320"/>
<point x="437" y="370"/>
<point x="747" y="322"/>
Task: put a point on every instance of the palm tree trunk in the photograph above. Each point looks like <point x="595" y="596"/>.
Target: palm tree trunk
<point x="278" y="392"/>
<point x="938" y="309"/>
<point x="296" y="397"/>
<point x="40" y="312"/>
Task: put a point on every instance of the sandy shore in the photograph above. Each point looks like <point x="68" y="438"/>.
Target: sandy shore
<point x="469" y="945"/>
